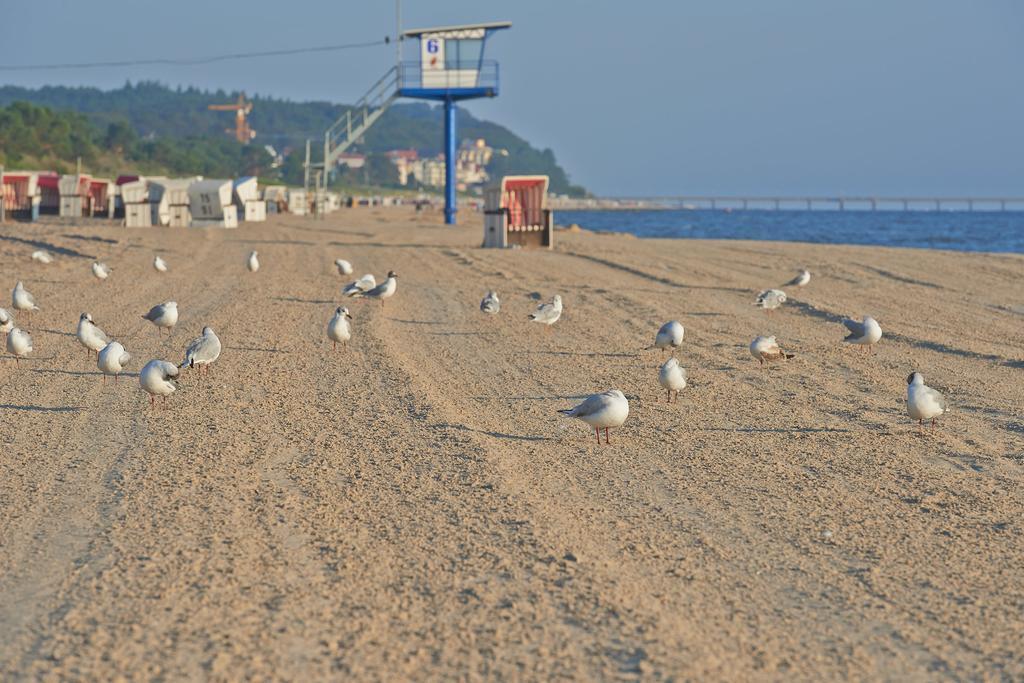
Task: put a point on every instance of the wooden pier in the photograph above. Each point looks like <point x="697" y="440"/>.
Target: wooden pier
<point x="794" y="203"/>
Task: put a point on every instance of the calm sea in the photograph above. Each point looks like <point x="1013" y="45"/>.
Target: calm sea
<point x="958" y="230"/>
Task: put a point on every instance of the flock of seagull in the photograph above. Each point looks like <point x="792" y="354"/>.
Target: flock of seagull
<point x="609" y="409"/>
<point x="606" y="410"/>
<point x="157" y="377"/>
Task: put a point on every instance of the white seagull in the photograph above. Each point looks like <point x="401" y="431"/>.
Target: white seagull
<point x="384" y="290"/>
<point x="90" y="335"/>
<point x="112" y="359"/>
<point x="202" y="350"/>
<point x="770" y="299"/>
<point x="338" y="329"/>
<point x="19" y="343"/>
<point x="549" y="313"/>
<point x="22" y="299"/>
<point x="159" y="264"/>
<point x="491" y="303"/>
<point x="42" y="256"/>
<point x="163" y="315"/>
<point x="253" y="263"/>
<point x="344" y="267"/>
<point x="923" y="402"/>
<point x="100" y="270"/>
<point x="670" y="336"/>
<point x="766" y="349"/>
<point x="156" y="379"/>
<point x="363" y="284"/>
<point x="865" y="333"/>
<point x="6" y="321"/>
<point x="800" y="280"/>
<point x="672" y="377"/>
<point x="601" y="411"/>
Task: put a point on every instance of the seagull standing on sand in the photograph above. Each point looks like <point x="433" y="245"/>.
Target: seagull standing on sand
<point x="344" y="267"/>
<point x="112" y="359"/>
<point x="549" y="313"/>
<point x="770" y="299"/>
<point x="22" y="299"/>
<point x="19" y="343"/>
<point x="253" y="263"/>
<point x="601" y="411"/>
<point x="363" y="284"/>
<point x="766" y="349"/>
<point x="163" y="315"/>
<point x="100" y="270"/>
<point x="338" y="329"/>
<point x="490" y="304"/>
<point x="6" y="321"/>
<point x="670" y="336"/>
<point x="156" y="379"/>
<point x="800" y="280"/>
<point x="384" y="290"/>
<point x="90" y="335"/>
<point x="159" y="264"/>
<point x="923" y="402"/>
<point x="672" y="377"/>
<point x="42" y="256"/>
<point x="865" y="333"/>
<point x="202" y="351"/>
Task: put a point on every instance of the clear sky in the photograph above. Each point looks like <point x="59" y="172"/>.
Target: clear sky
<point x="648" y="97"/>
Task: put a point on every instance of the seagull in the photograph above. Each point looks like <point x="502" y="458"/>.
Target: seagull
<point x="19" y="343"/>
<point x="253" y="263"/>
<point x="800" y="280"/>
<point x="159" y="264"/>
<point x="6" y="321"/>
<point x="156" y="378"/>
<point x="42" y="256"/>
<point x="770" y="299"/>
<point x="923" y="402"/>
<point x="100" y="270"/>
<point x="91" y="336"/>
<point x="338" y="329"/>
<point x="548" y="313"/>
<point x="491" y="303"/>
<point x="608" y="409"/>
<point x="672" y="377"/>
<point x="344" y="267"/>
<point x="865" y="333"/>
<point x="384" y="290"/>
<point x="766" y="349"/>
<point x="202" y="350"/>
<point x="363" y="284"/>
<point x="112" y="359"/>
<point x="163" y="315"/>
<point x="670" y="336"/>
<point x="22" y="299"/>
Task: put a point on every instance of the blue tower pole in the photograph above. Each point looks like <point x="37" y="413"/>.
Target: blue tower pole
<point x="449" y="161"/>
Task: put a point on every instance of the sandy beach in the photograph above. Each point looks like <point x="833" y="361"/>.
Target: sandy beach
<point x="411" y="506"/>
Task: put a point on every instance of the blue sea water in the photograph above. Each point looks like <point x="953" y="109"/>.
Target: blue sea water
<point x="957" y="230"/>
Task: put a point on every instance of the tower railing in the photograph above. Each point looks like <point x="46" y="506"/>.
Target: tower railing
<point x="360" y="116"/>
<point x="475" y="74"/>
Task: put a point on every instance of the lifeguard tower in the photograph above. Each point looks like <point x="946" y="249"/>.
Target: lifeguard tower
<point x="450" y="68"/>
<point x="516" y="213"/>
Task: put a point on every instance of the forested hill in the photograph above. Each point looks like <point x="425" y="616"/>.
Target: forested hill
<point x="156" y="111"/>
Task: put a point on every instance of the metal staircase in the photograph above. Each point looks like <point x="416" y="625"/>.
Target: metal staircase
<point x="348" y="129"/>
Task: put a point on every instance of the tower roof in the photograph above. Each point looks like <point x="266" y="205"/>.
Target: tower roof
<point x="459" y="31"/>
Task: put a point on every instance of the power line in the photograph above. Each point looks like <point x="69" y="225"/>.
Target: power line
<point x="193" y="62"/>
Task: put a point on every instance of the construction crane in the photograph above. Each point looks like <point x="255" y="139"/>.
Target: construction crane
<point x="242" y="132"/>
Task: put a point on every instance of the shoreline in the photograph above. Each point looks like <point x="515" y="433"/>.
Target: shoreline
<point x="872" y="228"/>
